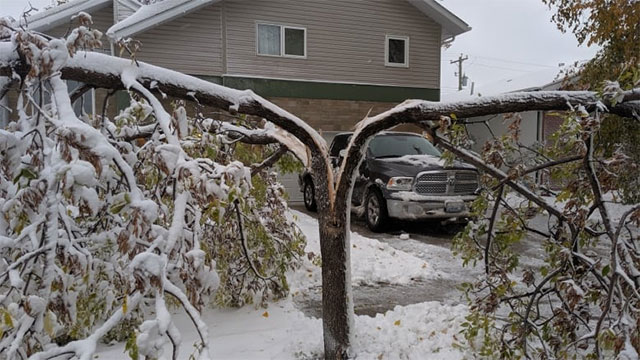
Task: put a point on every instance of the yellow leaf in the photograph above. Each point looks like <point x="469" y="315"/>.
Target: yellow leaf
<point x="124" y="305"/>
<point x="7" y="319"/>
<point x="397" y="323"/>
<point x="266" y="314"/>
<point x="48" y="323"/>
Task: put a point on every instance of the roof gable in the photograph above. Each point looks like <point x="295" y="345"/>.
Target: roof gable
<point x="148" y="16"/>
<point x="451" y="24"/>
<point x="61" y="14"/>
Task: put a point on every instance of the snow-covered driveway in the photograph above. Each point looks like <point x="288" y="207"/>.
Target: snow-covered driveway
<point x="438" y="280"/>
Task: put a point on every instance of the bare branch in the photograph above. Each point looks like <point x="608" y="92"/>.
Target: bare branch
<point x="270" y="161"/>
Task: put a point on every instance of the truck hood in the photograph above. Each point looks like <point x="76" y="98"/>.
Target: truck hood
<point x="412" y="165"/>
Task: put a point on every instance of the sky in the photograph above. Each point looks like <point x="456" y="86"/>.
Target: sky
<point x="509" y="40"/>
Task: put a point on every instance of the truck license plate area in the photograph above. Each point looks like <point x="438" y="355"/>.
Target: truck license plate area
<point x="454" y="206"/>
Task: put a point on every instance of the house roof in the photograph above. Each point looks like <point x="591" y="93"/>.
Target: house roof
<point x="61" y="14"/>
<point x="149" y="16"/>
<point x="548" y="79"/>
<point x="451" y="24"/>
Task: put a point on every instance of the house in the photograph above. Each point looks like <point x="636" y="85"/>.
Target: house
<point x="536" y="126"/>
<point x="330" y="62"/>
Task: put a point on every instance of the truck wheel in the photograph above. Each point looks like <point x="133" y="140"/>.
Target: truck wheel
<point x="376" y="211"/>
<point x="309" y="194"/>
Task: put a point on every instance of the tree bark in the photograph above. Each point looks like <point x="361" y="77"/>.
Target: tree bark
<point x="337" y="302"/>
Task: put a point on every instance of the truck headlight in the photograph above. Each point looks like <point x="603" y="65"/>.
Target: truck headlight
<point x="400" y="183"/>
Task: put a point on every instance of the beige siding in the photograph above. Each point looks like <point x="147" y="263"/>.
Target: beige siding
<point x="102" y="20"/>
<point x="345" y="41"/>
<point x="190" y="44"/>
<point x="125" y="9"/>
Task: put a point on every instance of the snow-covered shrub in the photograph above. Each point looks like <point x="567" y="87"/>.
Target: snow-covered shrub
<point x="108" y="222"/>
<point x="582" y="299"/>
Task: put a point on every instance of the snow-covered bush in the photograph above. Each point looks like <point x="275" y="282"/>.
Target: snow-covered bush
<point x="105" y="223"/>
<point x="582" y="300"/>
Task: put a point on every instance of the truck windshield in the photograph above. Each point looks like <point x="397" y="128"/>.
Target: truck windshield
<point x="388" y="146"/>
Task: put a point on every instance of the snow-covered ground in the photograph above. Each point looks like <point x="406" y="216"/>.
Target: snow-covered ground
<point x="420" y="331"/>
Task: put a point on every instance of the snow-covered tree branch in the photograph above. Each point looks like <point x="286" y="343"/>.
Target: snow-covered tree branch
<point x="87" y="208"/>
<point x="97" y="229"/>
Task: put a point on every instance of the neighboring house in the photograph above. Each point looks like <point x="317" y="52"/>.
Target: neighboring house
<point x="536" y="126"/>
<point x="330" y="62"/>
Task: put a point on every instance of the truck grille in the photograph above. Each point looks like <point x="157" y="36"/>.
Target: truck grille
<point x="433" y="177"/>
<point x="447" y="182"/>
<point x="426" y="188"/>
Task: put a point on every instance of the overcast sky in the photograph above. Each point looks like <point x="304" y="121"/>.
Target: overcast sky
<point x="510" y="39"/>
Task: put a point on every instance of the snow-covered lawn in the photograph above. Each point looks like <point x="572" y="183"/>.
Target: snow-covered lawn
<point x="419" y="331"/>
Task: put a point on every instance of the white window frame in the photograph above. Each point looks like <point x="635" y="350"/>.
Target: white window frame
<point x="282" y="40"/>
<point x="406" y="51"/>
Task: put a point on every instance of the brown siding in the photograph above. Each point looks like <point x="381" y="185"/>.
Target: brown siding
<point x="345" y="41"/>
<point x="333" y="115"/>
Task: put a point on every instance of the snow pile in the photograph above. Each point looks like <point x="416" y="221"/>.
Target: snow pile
<point x="420" y="331"/>
<point x="371" y="261"/>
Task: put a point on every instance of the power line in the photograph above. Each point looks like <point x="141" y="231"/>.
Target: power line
<point x="515" y="62"/>
<point x="446" y="58"/>
<point x="502" y="68"/>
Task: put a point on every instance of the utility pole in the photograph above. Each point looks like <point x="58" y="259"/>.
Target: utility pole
<point x="460" y="75"/>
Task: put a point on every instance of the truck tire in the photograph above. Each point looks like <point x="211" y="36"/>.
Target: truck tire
<point x="309" y="194"/>
<point x="375" y="210"/>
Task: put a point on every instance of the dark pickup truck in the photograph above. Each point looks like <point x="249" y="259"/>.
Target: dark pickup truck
<point x="403" y="177"/>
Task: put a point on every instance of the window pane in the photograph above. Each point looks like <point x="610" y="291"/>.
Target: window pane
<point x="268" y="39"/>
<point x="397" y="51"/>
<point x="294" y="42"/>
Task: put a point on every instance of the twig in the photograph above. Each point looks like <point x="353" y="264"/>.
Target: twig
<point x="492" y="221"/>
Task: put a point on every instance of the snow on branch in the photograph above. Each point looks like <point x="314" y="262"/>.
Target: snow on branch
<point x="419" y="111"/>
<point x="95" y="228"/>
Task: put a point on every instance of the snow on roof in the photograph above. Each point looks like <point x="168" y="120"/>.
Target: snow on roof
<point x="61" y="14"/>
<point x="148" y="16"/>
<point x="451" y="24"/>
<point x="533" y="81"/>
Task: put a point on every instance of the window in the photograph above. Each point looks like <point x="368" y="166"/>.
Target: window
<point x="280" y="40"/>
<point x="85" y="104"/>
<point x="396" y="51"/>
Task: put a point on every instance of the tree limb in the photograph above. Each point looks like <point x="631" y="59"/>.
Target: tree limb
<point x="270" y="161"/>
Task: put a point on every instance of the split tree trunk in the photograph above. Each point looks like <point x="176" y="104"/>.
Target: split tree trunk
<point x="337" y="302"/>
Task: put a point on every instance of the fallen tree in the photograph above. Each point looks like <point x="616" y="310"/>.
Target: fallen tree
<point x="52" y="62"/>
